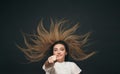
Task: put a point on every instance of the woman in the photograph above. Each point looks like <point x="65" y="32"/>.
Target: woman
<point x="57" y="63"/>
<point x="59" y="37"/>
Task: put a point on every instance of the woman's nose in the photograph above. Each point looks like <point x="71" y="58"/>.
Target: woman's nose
<point x="58" y="52"/>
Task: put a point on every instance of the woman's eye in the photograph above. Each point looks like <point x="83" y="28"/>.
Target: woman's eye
<point x="55" y="49"/>
<point x="62" y="49"/>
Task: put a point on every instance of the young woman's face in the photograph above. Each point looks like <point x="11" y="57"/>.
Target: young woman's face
<point x="60" y="52"/>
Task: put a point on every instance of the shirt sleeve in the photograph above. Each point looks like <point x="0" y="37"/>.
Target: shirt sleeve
<point x="48" y="70"/>
<point x="75" y="69"/>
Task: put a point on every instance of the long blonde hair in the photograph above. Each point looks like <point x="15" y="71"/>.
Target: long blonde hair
<point x="38" y="44"/>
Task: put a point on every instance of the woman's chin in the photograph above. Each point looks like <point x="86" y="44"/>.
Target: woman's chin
<point x="59" y="60"/>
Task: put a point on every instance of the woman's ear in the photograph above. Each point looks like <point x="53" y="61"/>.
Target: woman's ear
<point x="66" y="53"/>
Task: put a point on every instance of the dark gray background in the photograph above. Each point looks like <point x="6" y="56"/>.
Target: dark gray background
<point x="102" y="17"/>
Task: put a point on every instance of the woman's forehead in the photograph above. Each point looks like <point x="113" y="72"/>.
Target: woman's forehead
<point x="59" y="45"/>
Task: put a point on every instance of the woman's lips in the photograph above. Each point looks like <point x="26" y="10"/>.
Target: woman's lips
<point x="59" y="55"/>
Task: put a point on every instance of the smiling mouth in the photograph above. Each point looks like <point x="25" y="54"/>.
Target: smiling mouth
<point x="58" y="55"/>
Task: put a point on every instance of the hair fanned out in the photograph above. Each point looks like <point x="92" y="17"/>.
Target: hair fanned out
<point x="38" y="44"/>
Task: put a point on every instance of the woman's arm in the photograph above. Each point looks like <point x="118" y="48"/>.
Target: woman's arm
<point x="50" y="61"/>
<point x="47" y="64"/>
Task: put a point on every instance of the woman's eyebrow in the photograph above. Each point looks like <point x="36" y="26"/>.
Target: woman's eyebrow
<point x="54" y="48"/>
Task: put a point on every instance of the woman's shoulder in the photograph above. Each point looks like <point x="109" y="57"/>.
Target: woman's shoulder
<point x="74" y="66"/>
<point x="69" y="62"/>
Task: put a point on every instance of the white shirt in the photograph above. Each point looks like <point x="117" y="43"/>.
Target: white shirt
<point x="63" y="68"/>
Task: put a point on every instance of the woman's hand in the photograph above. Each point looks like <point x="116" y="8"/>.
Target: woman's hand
<point x="52" y="59"/>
